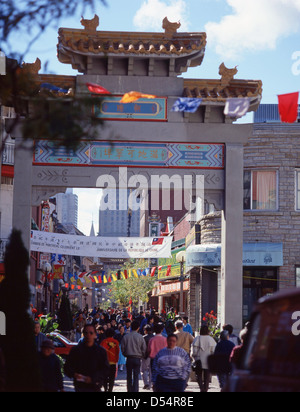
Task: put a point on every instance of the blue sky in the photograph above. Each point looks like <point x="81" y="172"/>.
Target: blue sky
<point x="260" y="36"/>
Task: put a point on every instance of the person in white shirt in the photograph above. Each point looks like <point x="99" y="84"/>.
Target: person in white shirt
<point x="203" y="346"/>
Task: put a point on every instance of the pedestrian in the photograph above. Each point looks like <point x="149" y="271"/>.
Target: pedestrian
<point x="112" y="348"/>
<point x="203" y="346"/>
<point x="119" y="337"/>
<point x="39" y="336"/>
<point x="185" y="339"/>
<point x="134" y="348"/>
<point x="127" y="325"/>
<point x="50" y="366"/>
<point x="101" y="335"/>
<point x="236" y="353"/>
<point x="171" y="315"/>
<point x="186" y="326"/>
<point x="157" y="343"/>
<point x="232" y="337"/>
<point x="87" y="363"/>
<point x="143" y="321"/>
<point x="223" y="350"/>
<point x="78" y="325"/>
<point x="171" y="368"/>
<point x="146" y="361"/>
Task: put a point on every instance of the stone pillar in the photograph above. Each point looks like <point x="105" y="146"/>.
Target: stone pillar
<point x="194" y="299"/>
<point x="232" y="239"/>
<point x="22" y="189"/>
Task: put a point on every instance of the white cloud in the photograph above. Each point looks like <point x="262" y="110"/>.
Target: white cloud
<point x="253" y="25"/>
<point x="152" y="13"/>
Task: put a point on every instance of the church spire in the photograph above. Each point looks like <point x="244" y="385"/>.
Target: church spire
<point x="92" y="233"/>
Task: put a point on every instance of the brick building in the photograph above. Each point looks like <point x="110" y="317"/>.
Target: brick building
<point x="271" y="258"/>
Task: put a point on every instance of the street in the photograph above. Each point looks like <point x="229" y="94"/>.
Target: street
<point x="121" y="386"/>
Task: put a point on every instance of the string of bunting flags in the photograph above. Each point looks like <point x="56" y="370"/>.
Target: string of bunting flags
<point x="97" y="277"/>
<point x="234" y="107"/>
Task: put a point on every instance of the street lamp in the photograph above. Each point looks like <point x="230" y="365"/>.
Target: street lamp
<point x="180" y="258"/>
<point x="85" y="295"/>
<point x="46" y="270"/>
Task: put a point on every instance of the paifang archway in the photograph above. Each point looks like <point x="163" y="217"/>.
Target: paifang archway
<point x="149" y="63"/>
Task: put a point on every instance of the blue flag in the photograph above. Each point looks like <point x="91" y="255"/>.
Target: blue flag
<point x="186" y="104"/>
<point x="53" y="88"/>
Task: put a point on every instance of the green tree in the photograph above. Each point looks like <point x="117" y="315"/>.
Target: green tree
<point x="18" y="344"/>
<point x="65" y="120"/>
<point x="133" y="288"/>
<point x="36" y="16"/>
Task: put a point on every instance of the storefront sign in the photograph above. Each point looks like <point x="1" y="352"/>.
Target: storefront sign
<point x="254" y="254"/>
<point x="123" y="248"/>
<point x="45" y="217"/>
<point x="173" y="287"/>
<point x="263" y="254"/>
<point x="170" y="268"/>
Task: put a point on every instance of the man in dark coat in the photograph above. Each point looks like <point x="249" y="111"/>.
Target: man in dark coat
<point x="87" y="363"/>
<point x="52" y="379"/>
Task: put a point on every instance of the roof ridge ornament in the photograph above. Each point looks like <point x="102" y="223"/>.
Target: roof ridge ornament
<point x="170" y="28"/>
<point x="227" y="74"/>
<point x="32" y="68"/>
<point x="90" y="25"/>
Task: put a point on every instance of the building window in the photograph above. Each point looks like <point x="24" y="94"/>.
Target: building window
<point x="298" y="276"/>
<point x="260" y="190"/>
<point x="298" y="190"/>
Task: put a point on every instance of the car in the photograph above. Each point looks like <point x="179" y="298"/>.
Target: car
<point x="62" y="345"/>
<point x="270" y="357"/>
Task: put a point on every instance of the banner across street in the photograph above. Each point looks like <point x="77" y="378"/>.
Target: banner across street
<point x="122" y="248"/>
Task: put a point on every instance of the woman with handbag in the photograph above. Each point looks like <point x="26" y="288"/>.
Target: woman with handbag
<point x="203" y="346"/>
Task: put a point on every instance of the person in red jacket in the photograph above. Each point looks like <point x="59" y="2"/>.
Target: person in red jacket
<point x="112" y="348"/>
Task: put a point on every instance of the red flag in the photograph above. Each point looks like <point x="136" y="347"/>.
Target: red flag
<point x="126" y="274"/>
<point x="96" y="88"/>
<point x="288" y="107"/>
<point x="157" y="241"/>
<point x="153" y="272"/>
<point x="169" y="271"/>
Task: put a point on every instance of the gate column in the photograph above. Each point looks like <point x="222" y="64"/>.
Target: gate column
<point x="22" y="189"/>
<point x="232" y="239"/>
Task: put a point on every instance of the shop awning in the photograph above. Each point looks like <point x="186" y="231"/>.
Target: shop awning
<point x="254" y="254"/>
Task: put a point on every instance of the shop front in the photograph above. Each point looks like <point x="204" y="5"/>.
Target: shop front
<point x="170" y="295"/>
<point x="261" y="263"/>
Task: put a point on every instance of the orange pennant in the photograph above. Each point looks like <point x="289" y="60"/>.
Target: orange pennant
<point x="133" y="96"/>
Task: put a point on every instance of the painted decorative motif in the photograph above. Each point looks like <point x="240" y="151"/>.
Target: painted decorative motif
<point x="110" y="108"/>
<point x="115" y="154"/>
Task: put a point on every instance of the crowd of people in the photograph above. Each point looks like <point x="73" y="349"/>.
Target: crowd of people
<point x="160" y="347"/>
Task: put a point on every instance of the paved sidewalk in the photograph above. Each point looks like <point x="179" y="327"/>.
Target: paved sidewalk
<point x="121" y="385"/>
